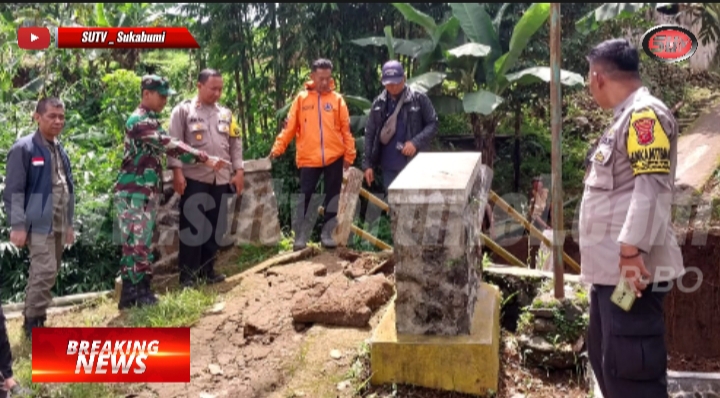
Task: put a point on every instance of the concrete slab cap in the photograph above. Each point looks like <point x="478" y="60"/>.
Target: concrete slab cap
<point x="436" y="177"/>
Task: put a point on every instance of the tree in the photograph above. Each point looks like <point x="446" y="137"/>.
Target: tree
<point x="480" y="68"/>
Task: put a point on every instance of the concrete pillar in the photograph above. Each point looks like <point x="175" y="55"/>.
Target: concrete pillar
<point x="437" y="205"/>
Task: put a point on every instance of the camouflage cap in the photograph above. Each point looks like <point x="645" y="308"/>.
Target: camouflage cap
<point x="156" y="83"/>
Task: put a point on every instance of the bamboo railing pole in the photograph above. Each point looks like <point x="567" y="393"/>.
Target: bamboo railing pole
<point x="531" y="228"/>
<point x="372" y="198"/>
<point x="501" y="252"/>
<point x="364" y="234"/>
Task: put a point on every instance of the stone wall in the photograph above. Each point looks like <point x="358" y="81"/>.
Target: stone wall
<point x="253" y="219"/>
<point x="693" y="385"/>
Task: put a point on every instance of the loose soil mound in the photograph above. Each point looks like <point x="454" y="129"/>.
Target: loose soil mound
<point x="251" y="347"/>
<point x="693" y="317"/>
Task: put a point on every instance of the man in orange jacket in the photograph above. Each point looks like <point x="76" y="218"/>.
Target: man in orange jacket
<point x="320" y="121"/>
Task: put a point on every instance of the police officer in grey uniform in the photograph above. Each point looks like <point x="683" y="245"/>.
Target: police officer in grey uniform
<point x="208" y="126"/>
<point x="625" y="227"/>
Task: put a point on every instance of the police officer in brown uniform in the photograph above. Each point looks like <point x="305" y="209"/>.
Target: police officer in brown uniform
<point x="626" y="229"/>
<point x="205" y="125"/>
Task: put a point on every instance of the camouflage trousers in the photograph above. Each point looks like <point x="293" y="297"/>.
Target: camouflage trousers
<point x="136" y="216"/>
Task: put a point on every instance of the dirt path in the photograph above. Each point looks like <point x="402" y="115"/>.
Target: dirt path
<point x="250" y="347"/>
<point x="699" y="152"/>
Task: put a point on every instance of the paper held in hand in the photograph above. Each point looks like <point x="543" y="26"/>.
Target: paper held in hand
<point x="623" y="295"/>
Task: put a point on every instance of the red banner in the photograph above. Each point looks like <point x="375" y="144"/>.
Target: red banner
<point x="136" y="37"/>
<point x="111" y="355"/>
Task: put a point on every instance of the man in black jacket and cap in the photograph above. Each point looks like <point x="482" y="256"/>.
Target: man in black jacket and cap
<point x="401" y="123"/>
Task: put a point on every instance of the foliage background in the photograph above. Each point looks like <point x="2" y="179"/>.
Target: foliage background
<point x="263" y="51"/>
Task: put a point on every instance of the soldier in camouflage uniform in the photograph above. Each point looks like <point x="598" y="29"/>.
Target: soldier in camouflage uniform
<point x="138" y="186"/>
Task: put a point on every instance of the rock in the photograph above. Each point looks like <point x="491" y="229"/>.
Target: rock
<point x="538" y="343"/>
<point x="542" y="325"/>
<point x="436" y="242"/>
<point x="335" y="354"/>
<point x="343" y="385"/>
<point x="319" y="270"/>
<point x="572" y="311"/>
<point x="217" y="308"/>
<point x="343" y="302"/>
<point x="215" y="369"/>
<point x="360" y="267"/>
<point x="538" y="351"/>
<point x="347" y="254"/>
<point x="582" y="120"/>
<point x="546" y="313"/>
<point x="256" y="324"/>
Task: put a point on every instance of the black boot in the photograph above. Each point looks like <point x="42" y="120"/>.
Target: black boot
<point x="188" y="278"/>
<point x="136" y="295"/>
<point x="211" y="277"/>
<point x="31" y="323"/>
<point x="128" y="295"/>
<point x="145" y="293"/>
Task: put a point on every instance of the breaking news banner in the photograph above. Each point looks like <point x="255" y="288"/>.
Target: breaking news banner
<point x="136" y="37"/>
<point x="111" y="355"/>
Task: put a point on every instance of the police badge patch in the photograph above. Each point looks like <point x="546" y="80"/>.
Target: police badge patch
<point x="644" y="130"/>
<point x="648" y="144"/>
<point x="599" y="157"/>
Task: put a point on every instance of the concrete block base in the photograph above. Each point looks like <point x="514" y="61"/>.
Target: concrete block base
<point x="467" y="363"/>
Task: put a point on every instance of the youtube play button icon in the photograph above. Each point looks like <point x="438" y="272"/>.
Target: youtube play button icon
<point x="33" y="38"/>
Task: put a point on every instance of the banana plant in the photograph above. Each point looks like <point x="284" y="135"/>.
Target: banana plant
<point x="128" y="15"/>
<point x="427" y="50"/>
<point x="608" y="11"/>
<point x="484" y="70"/>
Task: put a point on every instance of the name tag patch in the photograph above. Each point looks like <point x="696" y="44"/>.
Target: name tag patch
<point x="38" y="162"/>
<point x="602" y="155"/>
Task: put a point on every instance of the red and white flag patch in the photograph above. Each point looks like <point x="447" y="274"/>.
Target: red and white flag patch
<point x="39" y="161"/>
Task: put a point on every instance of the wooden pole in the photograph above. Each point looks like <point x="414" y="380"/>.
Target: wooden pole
<point x="556" y="126"/>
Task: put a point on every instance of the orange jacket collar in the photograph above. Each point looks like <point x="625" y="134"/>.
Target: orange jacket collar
<point x="310" y="86"/>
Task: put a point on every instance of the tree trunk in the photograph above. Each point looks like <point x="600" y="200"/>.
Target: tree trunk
<point x="516" y="152"/>
<point x="484" y="131"/>
<point x="241" y="106"/>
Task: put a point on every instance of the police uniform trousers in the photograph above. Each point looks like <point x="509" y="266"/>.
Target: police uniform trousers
<point x="136" y="215"/>
<point x="203" y="223"/>
<point x="627" y="349"/>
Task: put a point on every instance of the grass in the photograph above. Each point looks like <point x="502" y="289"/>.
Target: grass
<point x="22" y="365"/>
<point x="176" y="309"/>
